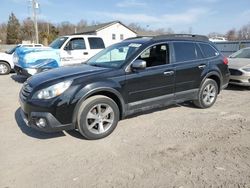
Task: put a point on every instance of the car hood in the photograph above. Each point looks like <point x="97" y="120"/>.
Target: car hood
<point x="63" y="73"/>
<point x="237" y="63"/>
<point x="4" y="55"/>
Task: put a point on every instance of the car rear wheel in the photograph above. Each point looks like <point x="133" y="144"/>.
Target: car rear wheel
<point x="97" y="117"/>
<point x="207" y="94"/>
<point x="4" y="68"/>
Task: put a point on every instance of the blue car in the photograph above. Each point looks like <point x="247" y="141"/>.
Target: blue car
<point x="29" y="61"/>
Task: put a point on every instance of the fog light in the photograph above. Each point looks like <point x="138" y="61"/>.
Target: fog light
<point x="41" y="122"/>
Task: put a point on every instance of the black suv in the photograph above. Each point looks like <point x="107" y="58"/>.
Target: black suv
<point x="131" y="76"/>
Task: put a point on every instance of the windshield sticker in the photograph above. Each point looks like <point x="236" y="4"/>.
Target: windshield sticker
<point x="135" y="45"/>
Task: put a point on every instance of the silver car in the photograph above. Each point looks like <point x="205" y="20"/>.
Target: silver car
<point x="239" y="67"/>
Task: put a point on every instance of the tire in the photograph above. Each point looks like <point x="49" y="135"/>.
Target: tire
<point x="4" y="68"/>
<point x="97" y="117"/>
<point x="207" y="94"/>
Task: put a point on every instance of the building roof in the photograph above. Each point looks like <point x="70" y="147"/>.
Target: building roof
<point x="98" y="27"/>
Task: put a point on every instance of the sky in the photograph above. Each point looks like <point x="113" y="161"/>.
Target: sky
<point x="196" y="16"/>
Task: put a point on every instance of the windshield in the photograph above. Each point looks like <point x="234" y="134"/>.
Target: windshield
<point x="114" y="56"/>
<point x="243" y="53"/>
<point x="12" y="50"/>
<point x="57" y="43"/>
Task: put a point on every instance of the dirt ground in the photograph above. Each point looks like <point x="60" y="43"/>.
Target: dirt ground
<point x="179" y="146"/>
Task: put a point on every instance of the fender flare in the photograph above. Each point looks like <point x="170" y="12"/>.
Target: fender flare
<point x="94" y="91"/>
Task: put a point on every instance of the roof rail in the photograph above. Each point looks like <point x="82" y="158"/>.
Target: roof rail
<point x="139" y="37"/>
<point x="182" y="36"/>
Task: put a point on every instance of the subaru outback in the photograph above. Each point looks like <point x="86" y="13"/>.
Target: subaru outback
<point x="135" y="75"/>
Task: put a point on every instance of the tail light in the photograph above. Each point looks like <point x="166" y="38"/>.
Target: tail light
<point x="225" y="60"/>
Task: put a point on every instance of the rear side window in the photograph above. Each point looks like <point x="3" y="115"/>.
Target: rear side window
<point x="186" y="51"/>
<point x="208" y="50"/>
<point x="96" y="43"/>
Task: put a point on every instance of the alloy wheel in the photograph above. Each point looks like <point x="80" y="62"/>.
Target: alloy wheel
<point x="100" y="118"/>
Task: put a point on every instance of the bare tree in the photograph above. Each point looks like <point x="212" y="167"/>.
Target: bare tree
<point x="231" y="35"/>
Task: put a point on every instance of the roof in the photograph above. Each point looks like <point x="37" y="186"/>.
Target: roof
<point x="190" y="37"/>
<point x="98" y="27"/>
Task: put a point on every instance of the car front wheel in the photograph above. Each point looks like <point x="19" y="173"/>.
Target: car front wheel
<point x="97" y="117"/>
<point x="207" y="94"/>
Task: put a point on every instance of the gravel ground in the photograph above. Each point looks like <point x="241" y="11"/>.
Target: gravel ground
<point x="178" y="146"/>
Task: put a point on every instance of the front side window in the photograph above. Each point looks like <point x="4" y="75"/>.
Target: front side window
<point x="77" y="44"/>
<point x="186" y="51"/>
<point x="96" y="43"/>
<point x="115" y="55"/>
<point x="156" y="55"/>
<point x="113" y="36"/>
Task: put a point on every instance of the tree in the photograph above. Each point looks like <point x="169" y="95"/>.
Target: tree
<point x="13" y="30"/>
<point x="3" y="31"/>
<point x="27" y="30"/>
<point x="231" y="35"/>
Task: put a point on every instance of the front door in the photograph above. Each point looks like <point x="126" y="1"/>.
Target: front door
<point x="153" y="85"/>
<point x="75" y="52"/>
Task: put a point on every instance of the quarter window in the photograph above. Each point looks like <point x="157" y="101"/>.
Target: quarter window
<point x="208" y="50"/>
<point x="186" y="51"/>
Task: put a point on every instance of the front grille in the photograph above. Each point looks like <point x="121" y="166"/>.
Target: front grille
<point x="26" y="90"/>
<point x="235" y="72"/>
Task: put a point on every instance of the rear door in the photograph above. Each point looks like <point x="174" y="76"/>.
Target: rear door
<point x="190" y="67"/>
<point x="96" y="44"/>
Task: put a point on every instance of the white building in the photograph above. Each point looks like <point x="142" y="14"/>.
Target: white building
<point x="111" y="32"/>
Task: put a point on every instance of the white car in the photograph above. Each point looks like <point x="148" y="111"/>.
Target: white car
<point x="239" y="67"/>
<point x="6" y="58"/>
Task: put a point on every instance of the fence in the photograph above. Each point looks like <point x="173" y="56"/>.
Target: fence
<point x="229" y="47"/>
<point x="5" y="47"/>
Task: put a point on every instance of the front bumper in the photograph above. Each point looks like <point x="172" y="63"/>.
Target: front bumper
<point x="51" y="125"/>
<point x="22" y="71"/>
<point x="31" y="114"/>
<point x="242" y="80"/>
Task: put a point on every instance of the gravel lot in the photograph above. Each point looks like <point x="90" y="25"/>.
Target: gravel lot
<point x="178" y="146"/>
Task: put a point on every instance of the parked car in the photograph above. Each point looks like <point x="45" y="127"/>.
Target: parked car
<point x="239" y="67"/>
<point x="125" y="78"/>
<point x="64" y="51"/>
<point x="6" y="58"/>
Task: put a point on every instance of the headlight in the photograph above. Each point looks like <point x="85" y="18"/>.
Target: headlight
<point x="31" y="71"/>
<point x="247" y="69"/>
<point x="15" y="59"/>
<point x="52" y="91"/>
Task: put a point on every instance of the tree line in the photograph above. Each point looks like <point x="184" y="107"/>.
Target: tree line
<point x="14" y="31"/>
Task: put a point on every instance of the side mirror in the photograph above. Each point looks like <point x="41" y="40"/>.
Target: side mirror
<point x="138" y="65"/>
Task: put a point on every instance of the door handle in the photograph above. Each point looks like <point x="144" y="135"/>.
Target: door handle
<point x="85" y="53"/>
<point x="202" y="66"/>
<point x="168" y="73"/>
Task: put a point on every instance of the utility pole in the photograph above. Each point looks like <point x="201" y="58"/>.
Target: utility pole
<point x="35" y="6"/>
